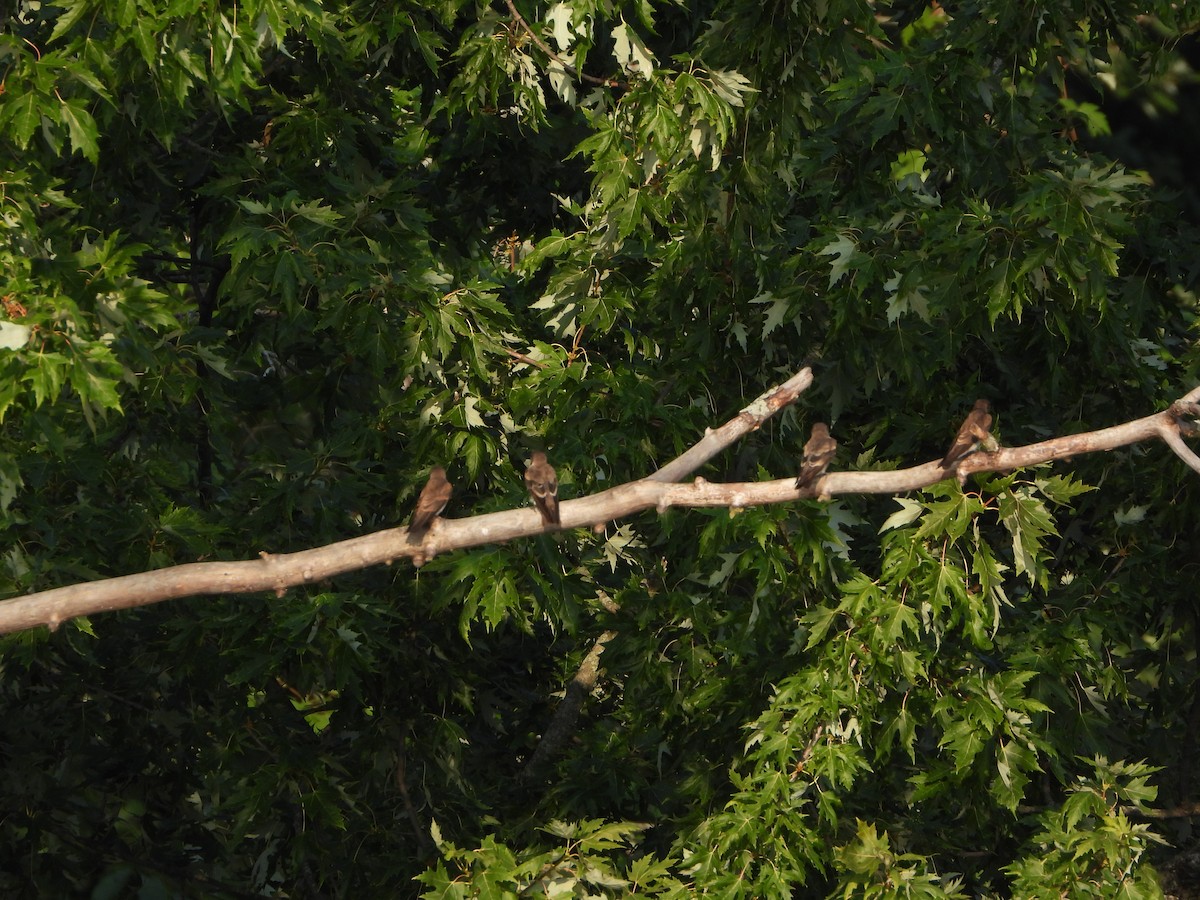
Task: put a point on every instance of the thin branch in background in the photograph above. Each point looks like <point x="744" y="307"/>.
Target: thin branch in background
<point x="562" y="723"/>
<point x="424" y="841"/>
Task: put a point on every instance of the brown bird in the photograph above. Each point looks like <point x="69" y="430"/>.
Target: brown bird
<point x="542" y="483"/>
<point x="434" y="497"/>
<point x="818" y="453"/>
<point x="975" y="430"/>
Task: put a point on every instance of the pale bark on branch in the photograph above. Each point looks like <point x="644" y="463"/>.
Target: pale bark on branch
<point x="660" y="490"/>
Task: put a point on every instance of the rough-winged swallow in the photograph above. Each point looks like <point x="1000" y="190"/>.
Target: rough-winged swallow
<point x="974" y="430"/>
<point x="542" y="483"/>
<point x="434" y="497"/>
<point x="818" y="453"/>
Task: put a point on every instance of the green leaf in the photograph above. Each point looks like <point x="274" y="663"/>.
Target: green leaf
<point x="775" y="314"/>
<point x="82" y="128"/>
<point x="845" y="253"/>
<point x="318" y="213"/>
<point x="1029" y="523"/>
<point x="1093" y="118"/>
<point x="818" y="621"/>
<point x="952" y="516"/>
<point x="1061" y="489"/>
<point x="75" y="10"/>
<point x="730" y="85"/>
<point x="22" y="115"/>
<point x="13" y="335"/>
<point x="909" y="164"/>
<point x="47" y="377"/>
<point x="631" y="54"/>
<point x="87" y="77"/>
<point x="909" y="512"/>
<point x="144" y="34"/>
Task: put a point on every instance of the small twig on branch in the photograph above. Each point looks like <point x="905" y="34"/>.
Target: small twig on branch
<point x="1184" y="810"/>
<point x="749" y="419"/>
<point x="1186" y="413"/>
<point x="1182" y="450"/>
<point x="521" y="357"/>
<point x="806" y="755"/>
<point x="279" y="572"/>
<point x="545" y="48"/>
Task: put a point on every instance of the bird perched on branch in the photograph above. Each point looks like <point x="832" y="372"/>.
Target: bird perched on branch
<point x="818" y="453"/>
<point x="974" y="431"/>
<point x="542" y="483"/>
<point x="434" y="497"/>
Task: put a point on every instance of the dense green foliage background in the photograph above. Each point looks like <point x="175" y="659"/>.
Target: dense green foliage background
<point x="264" y="263"/>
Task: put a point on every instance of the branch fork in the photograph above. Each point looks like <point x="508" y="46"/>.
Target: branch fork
<point x="661" y="490"/>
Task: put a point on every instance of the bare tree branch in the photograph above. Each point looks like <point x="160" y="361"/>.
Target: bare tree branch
<point x="1182" y="450"/>
<point x="278" y="572"/>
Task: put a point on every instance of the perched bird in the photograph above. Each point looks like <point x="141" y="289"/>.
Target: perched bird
<point x="973" y="432"/>
<point x="434" y="497"/>
<point x="542" y="483"/>
<point x="818" y="453"/>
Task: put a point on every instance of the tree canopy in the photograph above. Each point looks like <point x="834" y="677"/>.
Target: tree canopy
<point x="265" y="264"/>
